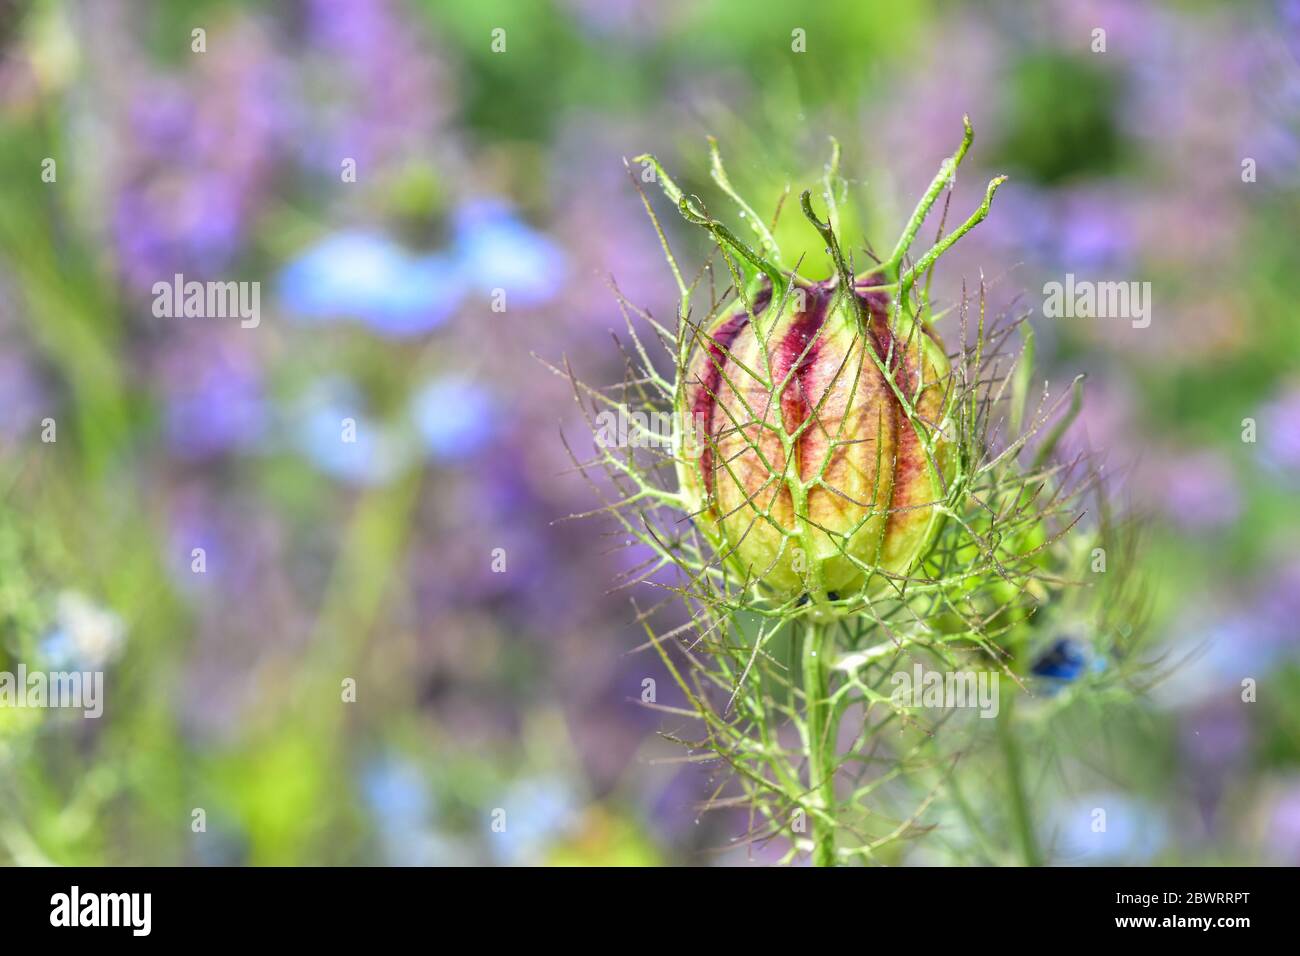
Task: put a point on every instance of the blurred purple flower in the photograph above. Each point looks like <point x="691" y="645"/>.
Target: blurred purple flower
<point x="1273" y="146"/>
<point x="387" y="99"/>
<point x="371" y="278"/>
<point x="190" y="529"/>
<point x="1289" y="17"/>
<point x="1283" y="826"/>
<point x="178" y="225"/>
<point x="350" y="26"/>
<point x="23" y="399"/>
<point x="1198" y="491"/>
<point x="1094" y="231"/>
<point x="1276" y="605"/>
<point x="672" y="808"/>
<point x="201" y="156"/>
<point x="1024" y="222"/>
<point x="1215" y="740"/>
<point x="1279" y="433"/>
<point x="1216" y="736"/>
<point x="496" y="250"/>
<point x="1084" y="230"/>
<point x="213" y="402"/>
<point x="636" y="561"/>
<point x="631" y="21"/>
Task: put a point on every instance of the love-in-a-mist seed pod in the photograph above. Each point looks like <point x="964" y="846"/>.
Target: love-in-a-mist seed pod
<point x="819" y="460"/>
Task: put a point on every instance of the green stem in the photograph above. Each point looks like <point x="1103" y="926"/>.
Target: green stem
<point x="971" y="819"/>
<point x="820" y="742"/>
<point x="943" y="178"/>
<point x="908" y="278"/>
<point x="1021" y="817"/>
<point x="847" y="282"/>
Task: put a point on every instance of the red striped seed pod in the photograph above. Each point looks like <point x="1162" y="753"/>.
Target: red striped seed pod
<point x="821" y="461"/>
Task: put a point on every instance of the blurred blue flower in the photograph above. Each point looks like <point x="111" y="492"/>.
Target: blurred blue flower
<point x="1065" y="660"/>
<point x="369" y="277"/>
<point x="396" y="795"/>
<point x="1223" y="650"/>
<point x="85" y="636"/>
<point x="362" y="452"/>
<point x="538" y="812"/>
<point x="454" y="416"/>
<point x="1106" y="828"/>
<point x="497" y="250"/>
<point x="1244" y="640"/>
<point x="224" y="843"/>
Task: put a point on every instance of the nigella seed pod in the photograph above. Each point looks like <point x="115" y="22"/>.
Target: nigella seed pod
<point x="839" y="491"/>
<point x="821" y="462"/>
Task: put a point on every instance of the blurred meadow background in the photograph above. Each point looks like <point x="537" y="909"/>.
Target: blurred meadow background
<point x="489" y="645"/>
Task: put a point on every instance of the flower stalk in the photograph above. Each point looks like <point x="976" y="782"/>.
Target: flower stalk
<point x="819" y="742"/>
<point x="1017" y="791"/>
